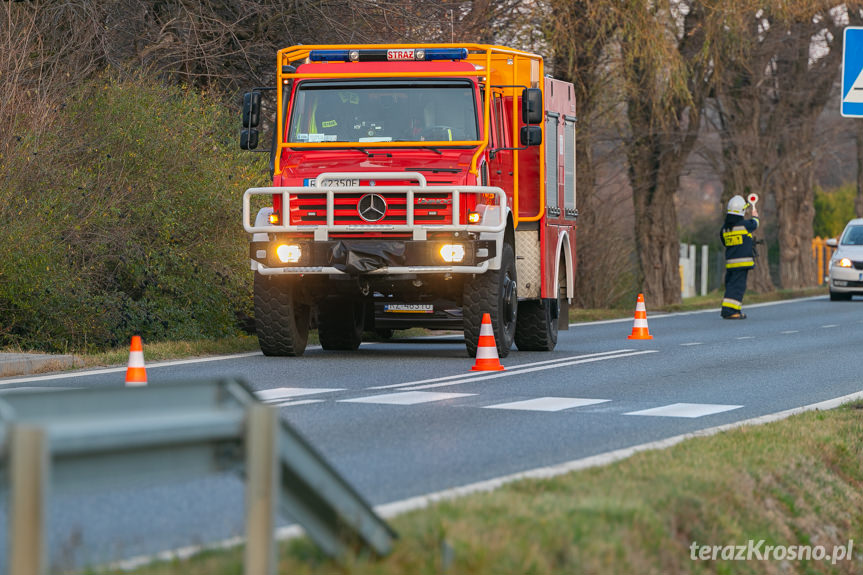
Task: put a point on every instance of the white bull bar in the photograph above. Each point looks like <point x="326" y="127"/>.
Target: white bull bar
<point x="419" y="231"/>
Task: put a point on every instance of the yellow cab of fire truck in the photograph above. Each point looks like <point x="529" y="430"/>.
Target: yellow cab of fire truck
<point x="514" y="79"/>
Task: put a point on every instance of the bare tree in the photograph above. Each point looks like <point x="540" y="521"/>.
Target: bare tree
<point x="665" y="65"/>
<point x="582" y="36"/>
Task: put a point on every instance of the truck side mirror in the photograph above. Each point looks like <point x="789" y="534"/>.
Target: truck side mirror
<point x="531" y="136"/>
<point x="531" y="105"/>
<point x="251" y="119"/>
<point x="248" y="139"/>
<point x="251" y="109"/>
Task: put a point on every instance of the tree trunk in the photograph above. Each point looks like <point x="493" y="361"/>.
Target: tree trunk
<point x="795" y="206"/>
<point x="655" y="180"/>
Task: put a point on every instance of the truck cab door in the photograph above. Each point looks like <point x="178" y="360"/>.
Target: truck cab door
<point x="501" y="161"/>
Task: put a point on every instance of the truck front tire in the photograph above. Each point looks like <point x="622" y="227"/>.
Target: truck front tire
<point x="496" y="293"/>
<point x="281" y="321"/>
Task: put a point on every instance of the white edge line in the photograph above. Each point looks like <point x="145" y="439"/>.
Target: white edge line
<point x="390" y="510"/>
<point x="157" y="365"/>
<point x="694" y="312"/>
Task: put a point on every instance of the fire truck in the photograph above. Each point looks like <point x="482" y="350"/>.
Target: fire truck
<point x="413" y="186"/>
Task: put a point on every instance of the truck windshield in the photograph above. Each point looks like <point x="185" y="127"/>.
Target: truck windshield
<point x="410" y="111"/>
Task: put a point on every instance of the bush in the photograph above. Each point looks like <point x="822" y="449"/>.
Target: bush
<point x="124" y="218"/>
<point x="833" y="209"/>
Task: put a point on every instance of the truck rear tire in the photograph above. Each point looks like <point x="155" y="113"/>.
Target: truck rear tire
<point x="496" y="293"/>
<point x="537" y="328"/>
<point x="340" y="324"/>
<point x="281" y="321"/>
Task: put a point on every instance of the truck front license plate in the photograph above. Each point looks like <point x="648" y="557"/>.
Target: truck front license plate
<point x="408" y="308"/>
<point x="339" y="183"/>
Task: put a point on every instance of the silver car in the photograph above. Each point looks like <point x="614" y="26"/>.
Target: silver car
<point x="846" y="264"/>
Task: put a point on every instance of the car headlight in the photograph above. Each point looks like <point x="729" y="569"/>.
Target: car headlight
<point x="843" y="263"/>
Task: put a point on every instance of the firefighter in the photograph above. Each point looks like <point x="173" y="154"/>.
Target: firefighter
<point x="739" y="245"/>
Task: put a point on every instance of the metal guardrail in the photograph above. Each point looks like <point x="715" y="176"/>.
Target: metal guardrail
<point x="321" y="232"/>
<point x="98" y="438"/>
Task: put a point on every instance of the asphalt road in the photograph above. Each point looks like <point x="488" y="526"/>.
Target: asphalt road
<point x="407" y="418"/>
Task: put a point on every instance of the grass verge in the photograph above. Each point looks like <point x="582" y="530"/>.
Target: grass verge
<point x="167" y="350"/>
<point x="792" y="482"/>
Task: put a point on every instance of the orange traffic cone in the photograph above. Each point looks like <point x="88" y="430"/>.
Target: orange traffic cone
<point x="639" y="328"/>
<point x="486" y="348"/>
<point x="136" y="373"/>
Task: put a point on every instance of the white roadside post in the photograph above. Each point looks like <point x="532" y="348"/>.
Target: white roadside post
<point x="704" y="268"/>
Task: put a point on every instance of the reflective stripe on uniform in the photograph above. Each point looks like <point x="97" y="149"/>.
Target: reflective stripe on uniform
<point x="740" y="263"/>
<point x="732" y="303"/>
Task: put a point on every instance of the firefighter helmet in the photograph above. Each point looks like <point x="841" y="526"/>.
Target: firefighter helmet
<point x="737" y="205"/>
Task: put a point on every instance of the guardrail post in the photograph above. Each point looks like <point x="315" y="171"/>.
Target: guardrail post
<point x="29" y="473"/>
<point x="262" y="489"/>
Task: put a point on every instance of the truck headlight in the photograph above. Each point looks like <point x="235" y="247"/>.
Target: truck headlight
<point x="289" y="253"/>
<point x="452" y="253"/>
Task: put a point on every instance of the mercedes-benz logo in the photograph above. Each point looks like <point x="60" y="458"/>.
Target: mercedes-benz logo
<point x="372" y="207"/>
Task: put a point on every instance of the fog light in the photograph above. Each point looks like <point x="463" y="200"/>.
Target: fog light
<point x="452" y="253"/>
<point x="473" y="217"/>
<point x="274" y="219"/>
<point x="289" y="254"/>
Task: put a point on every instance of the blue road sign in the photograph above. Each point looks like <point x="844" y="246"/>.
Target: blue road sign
<point x="852" y="73"/>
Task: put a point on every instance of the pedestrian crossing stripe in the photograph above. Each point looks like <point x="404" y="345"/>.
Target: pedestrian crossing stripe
<point x="852" y="72"/>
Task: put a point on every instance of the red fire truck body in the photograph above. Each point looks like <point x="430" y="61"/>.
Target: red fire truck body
<point x="413" y="186"/>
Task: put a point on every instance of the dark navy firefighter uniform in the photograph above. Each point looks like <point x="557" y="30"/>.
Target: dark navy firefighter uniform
<point x="739" y="259"/>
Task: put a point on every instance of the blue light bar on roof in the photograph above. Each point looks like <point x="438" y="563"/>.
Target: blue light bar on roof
<point x="388" y="55"/>
<point x="329" y="56"/>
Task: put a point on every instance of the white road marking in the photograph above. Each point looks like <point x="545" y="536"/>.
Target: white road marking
<point x="511" y="368"/>
<point x="406" y="398"/>
<point x="695" y="312"/>
<point x="829" y="325"/>
<point x="279" y="393"/>
<point x="122" y="369"/>
<point x="547" y="404"/>
<point x="499" y="374"/>
<point x="691" y="343"/>
<point x="790" y="331"/>
<point x="396" y="508"/>
<point x="690" y="410"/>
<point x="746" y="337"/>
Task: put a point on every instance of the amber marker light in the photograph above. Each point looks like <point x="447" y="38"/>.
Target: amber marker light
<point x="473" y="217"/>
<point x="274" y="219"/>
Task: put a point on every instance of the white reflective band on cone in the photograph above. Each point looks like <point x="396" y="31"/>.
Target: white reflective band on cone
<point x="640" y="322"/>
<point x="486" y="353"/>
<point x="486" y="329"/>
<point x="136" y="359"/>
